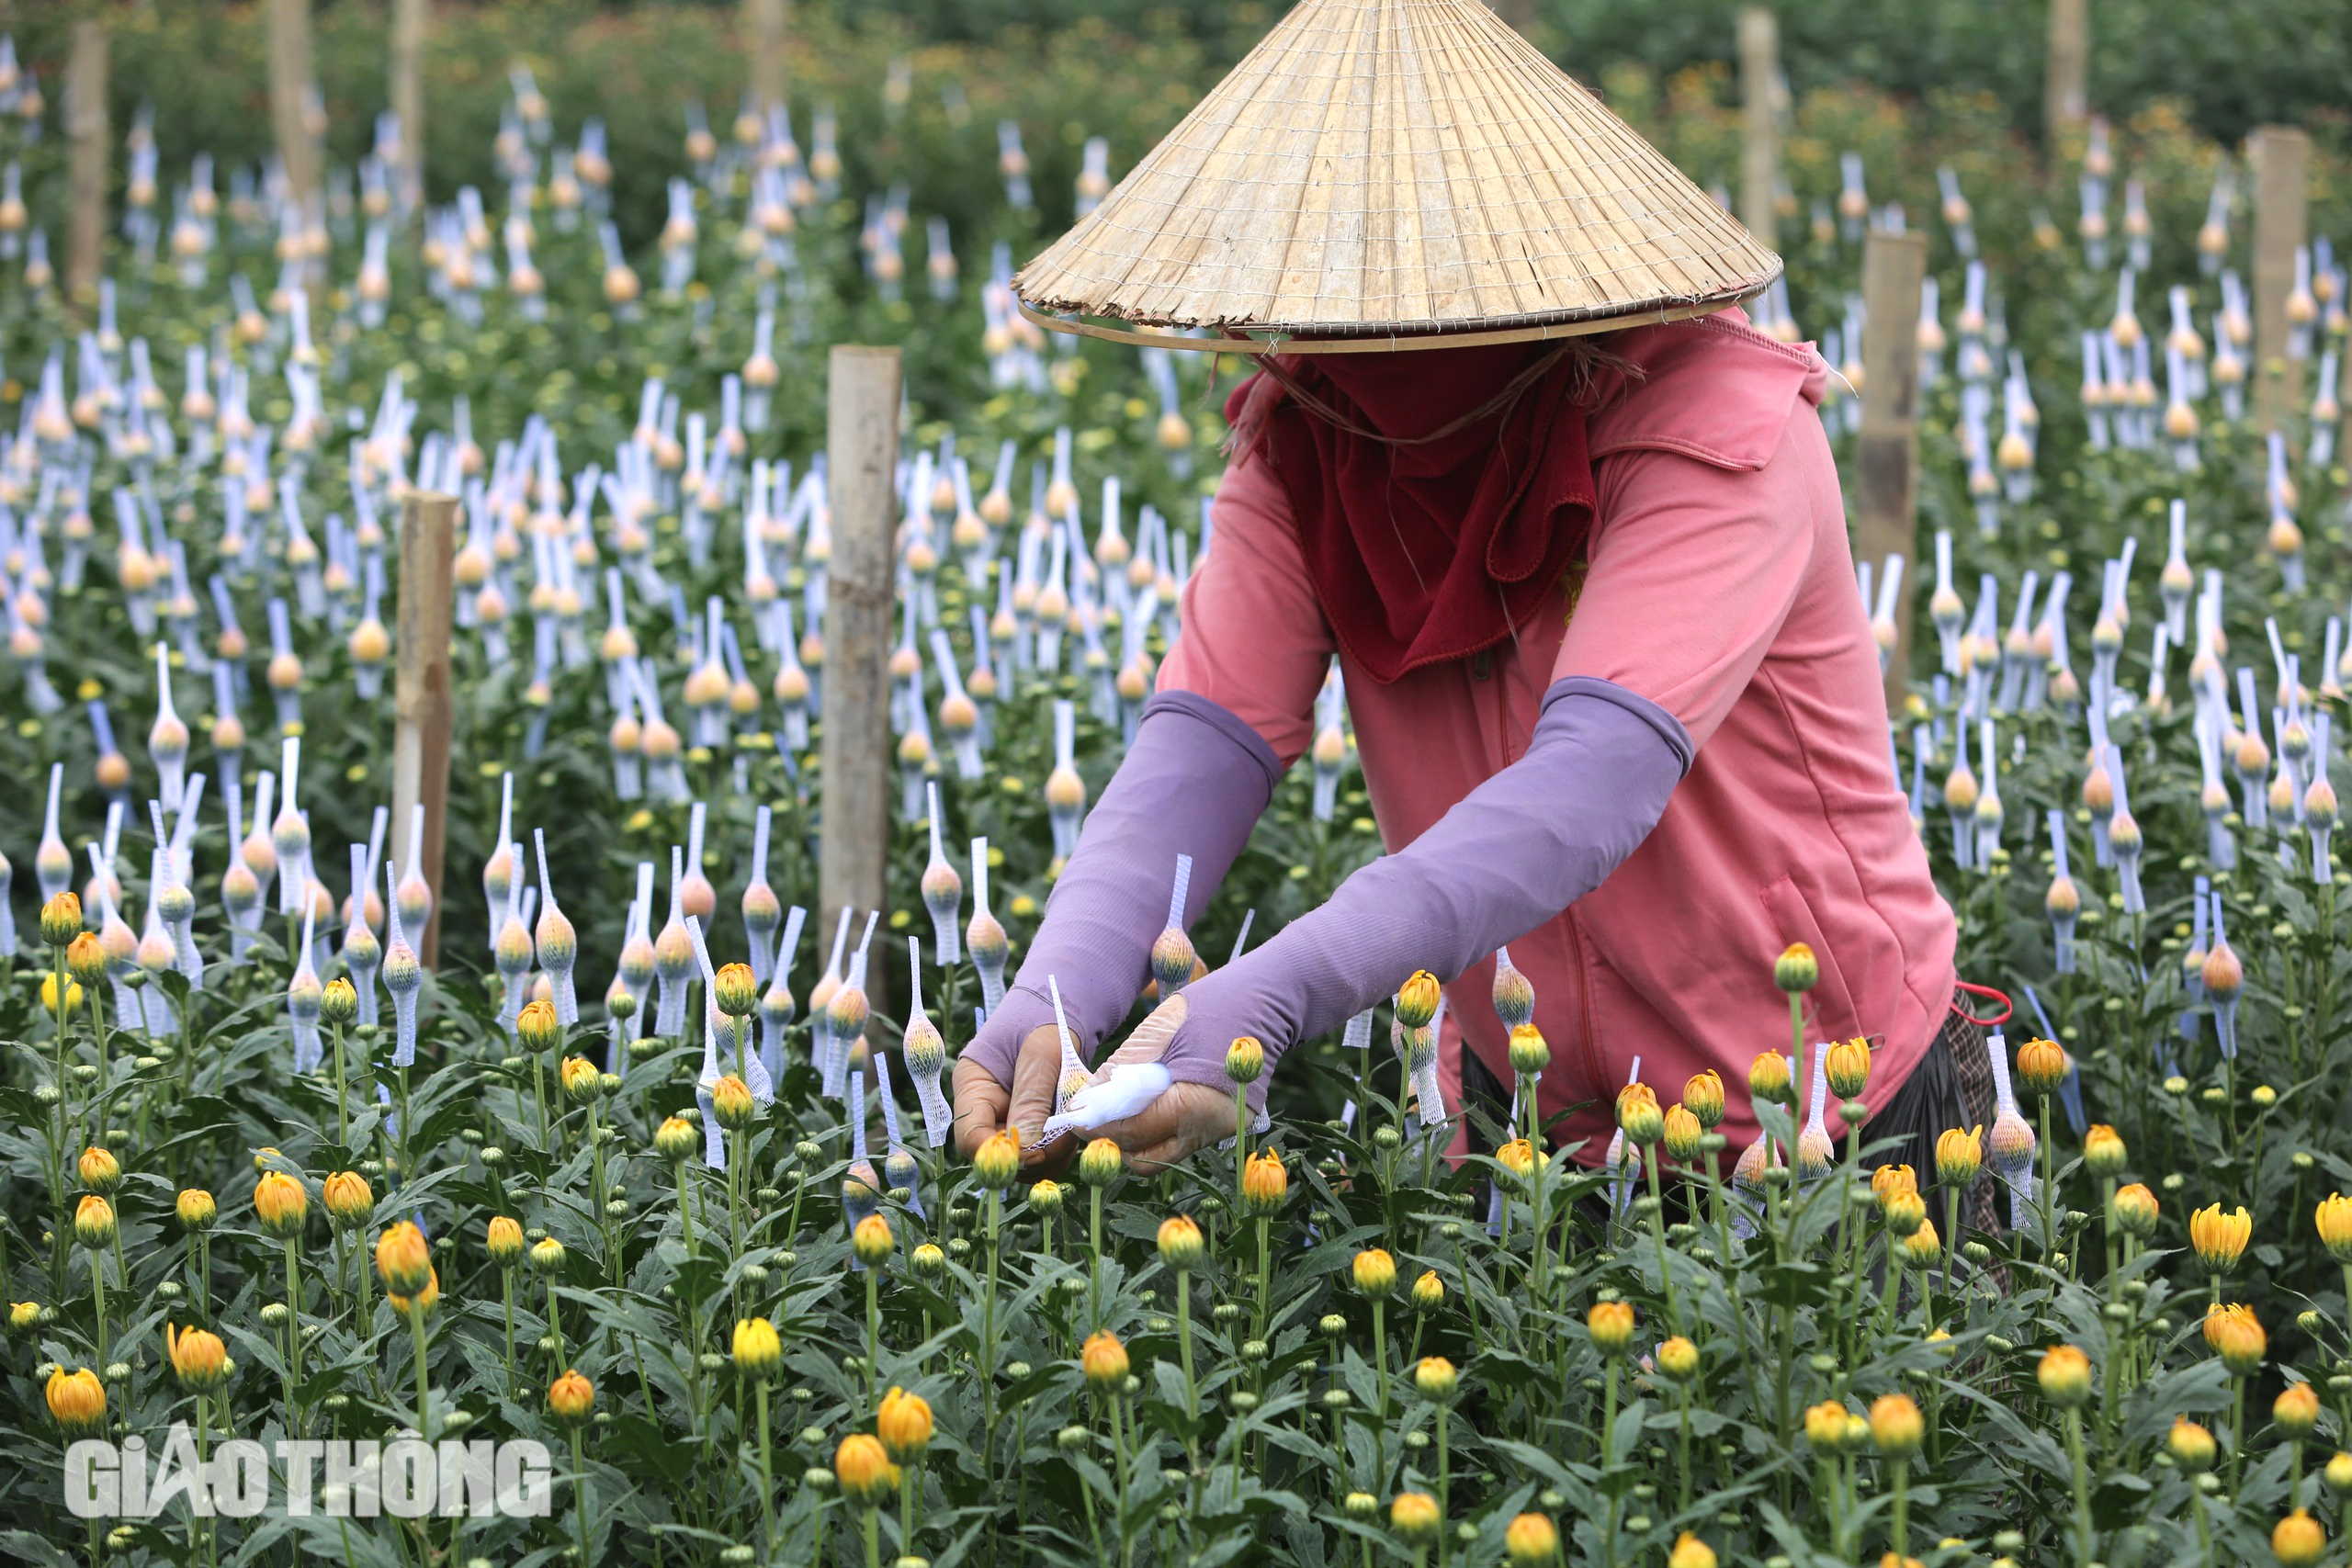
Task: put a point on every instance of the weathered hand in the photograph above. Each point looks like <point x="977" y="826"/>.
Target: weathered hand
<point x="1189" y="1115"/>
<point x="985" y="1107"/>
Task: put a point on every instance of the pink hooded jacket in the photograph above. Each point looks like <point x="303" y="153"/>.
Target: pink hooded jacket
<point x="1719" y="585"/>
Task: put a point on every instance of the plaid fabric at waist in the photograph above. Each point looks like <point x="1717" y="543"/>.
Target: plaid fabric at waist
<point x="1952" y="1086"/>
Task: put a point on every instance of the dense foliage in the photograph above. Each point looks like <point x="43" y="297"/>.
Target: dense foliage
<point x="1970" y="73"/>
<point x="1633" y="1354"/>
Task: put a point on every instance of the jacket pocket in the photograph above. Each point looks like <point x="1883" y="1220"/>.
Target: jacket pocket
<point x="1831" y="1015"/>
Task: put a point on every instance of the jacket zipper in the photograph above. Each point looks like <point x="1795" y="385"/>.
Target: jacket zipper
<point x="1596" y="1065"/>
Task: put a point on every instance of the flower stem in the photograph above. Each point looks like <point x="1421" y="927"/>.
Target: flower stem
<point x="98" y="1296"/>
<point x="579" y="1495"/>
<point x="342" y="1100"/>
<point x="293" y="1326"/>
<point x="1240" y="1141"/>
<point x="873" y="1333"/>
<point x="1658" y="1233"/>
<point x="1184" y="1348"/>
<point x="1265" y="1278"/>
<point x="767" y="1484"/>
<point x="1094" y="1276"/>
<point x="988" y="1339"/>
<point x="506" y="1296"/>
<point x="1901" y="1470"/>
<point x="736" y="1153"/>
<point x="417" y="1336"/>
<point x="2082" y="1485"/>
<point x="1444" y="1479"/>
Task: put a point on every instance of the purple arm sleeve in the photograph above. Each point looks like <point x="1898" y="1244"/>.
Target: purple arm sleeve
<point x="1512" y="854"/>
<point x="1195" y="783"/>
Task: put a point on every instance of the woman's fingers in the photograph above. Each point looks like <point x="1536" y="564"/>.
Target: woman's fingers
<point x="1187" y="1117"/>
<point x="980" y="1105"/>
<point x="1036" y="1073"/>
<point x="1152" y="1037"/>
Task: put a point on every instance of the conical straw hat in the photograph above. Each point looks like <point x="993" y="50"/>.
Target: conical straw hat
<point x="1379" y="167"/>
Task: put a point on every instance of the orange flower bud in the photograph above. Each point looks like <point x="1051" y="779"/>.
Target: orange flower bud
<point x="904" y="1424"/>
<point x="2219" y="1240"/>
<point x="347" y="1199"/>
<point x="1638" y="1115"/>
<point x="1960" y="1155"/>
<point x="1264" y="1183"/>
<point x="77" y="1399"/>
<point x="281" y="1204"/>
<point x="570" y="1397"/>
<point x="2065" y="1374"/>
<point x="1704" y="1095"/>
<point x="1417" y="999"/>
<point x="999" y="1160"/>
<point x="1415" y="1517"/>
<point x="1104" y="1361"/>
<point x="1611" y="1324"/>
<point x="1846" y="1067"/>
<point x="1533" y="1541"/>
<point x="1896" y="1426"/>
<point x="758" y="1351"/>
<point x="197" y="1357"/>
<point x="403" y="1261"/>
<point x="862" y="1467"/>
<point x="504" y="1239"/>
<point x="1180" y="1243"/>
<point x="93" y="1222"/>
<point x="2296" y="1410"/>
<point x="2334" y="1222"/>
<point x="2042" y="1067"/>
<point x="1796" y="969"/>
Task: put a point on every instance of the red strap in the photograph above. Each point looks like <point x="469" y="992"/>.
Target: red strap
<point x="2008" y="1007"/>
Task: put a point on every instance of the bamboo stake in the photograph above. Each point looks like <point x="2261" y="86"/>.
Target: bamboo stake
<point x="856" y="754"/>
<point x="765" y="24"/>
<point x="85" y="111"/>
<point x="1886" y="460"/>
<point x="2344" y="403"/>
<point x="289" y="76"/>
<point x="409" y="20"/>
<point x="2066" y="89"/>
<point x="421" y="700"/>
<point x="1759" y="170"/>
<point x="2281" y="159"/>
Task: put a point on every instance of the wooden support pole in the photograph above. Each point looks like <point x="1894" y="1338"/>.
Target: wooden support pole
<point x="2066" y="102"/>
<point x="420" y="703"/>
<point x="2282" y="158"/>
<point x="289" y="78"/>
<point x="1760" y="91"/>
<point x="1886" y="456"/>
<point x="408" y="100"/>
<point x="2344" y="405"/>
<point x="857" y="761"/>
<point x="86" y="126"/>
<point x="763" y="28"/>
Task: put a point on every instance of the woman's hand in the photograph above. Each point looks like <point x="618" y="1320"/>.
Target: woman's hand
<point x="985" y="1107"/>
<point x="1188" y="1116"/>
